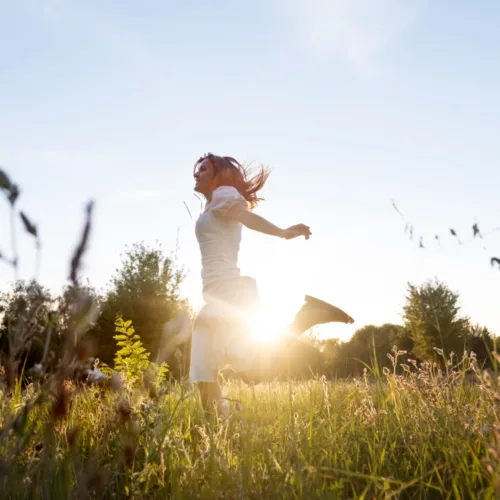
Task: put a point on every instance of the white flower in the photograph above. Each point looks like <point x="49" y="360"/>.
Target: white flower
<point x="37" y="369"/>
<point x="94" y="375"/>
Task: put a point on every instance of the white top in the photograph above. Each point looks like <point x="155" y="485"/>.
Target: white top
<point x="219" y="237"/>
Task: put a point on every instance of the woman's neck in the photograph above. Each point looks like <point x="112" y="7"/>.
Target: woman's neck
<point x="208" y="196"/>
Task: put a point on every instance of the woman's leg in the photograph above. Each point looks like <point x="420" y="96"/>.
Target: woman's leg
<point x="210" y="393"/>
<point x="211" y="398"/>
<point x="201" y="357"/>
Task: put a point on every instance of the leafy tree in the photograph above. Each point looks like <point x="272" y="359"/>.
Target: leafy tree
<point x="69" y="295"/>
<point x="26" y="311"/>
<point x="483" y="343"/>
<point x="329" y="348"/>
<point x="303" y="358"/>
<point x="432" y="316"/>
<point x="368" y="347"/>
<point x="144" y="289"/>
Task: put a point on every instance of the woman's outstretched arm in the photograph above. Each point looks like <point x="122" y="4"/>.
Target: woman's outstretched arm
<point x="258" y="223"/>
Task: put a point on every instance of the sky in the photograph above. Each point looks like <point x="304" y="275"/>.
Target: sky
<point x="352" y="103"/>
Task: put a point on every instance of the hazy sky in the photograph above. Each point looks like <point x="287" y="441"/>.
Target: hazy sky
<point x="351" y="102"/>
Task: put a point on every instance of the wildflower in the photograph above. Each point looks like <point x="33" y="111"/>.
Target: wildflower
<point x="223" y="410"/>
<point x="147" y="406"/>
<point x="37" y="370"/>
<point x="94" y="376"/>
<point x="486" y="378"/>
<point x="69" y="387"/>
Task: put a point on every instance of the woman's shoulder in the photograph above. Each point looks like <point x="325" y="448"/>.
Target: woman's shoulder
<point x="223" y="191"/>
<point x="224" y="197"/>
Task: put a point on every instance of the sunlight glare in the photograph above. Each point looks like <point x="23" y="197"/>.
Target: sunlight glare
<point x="268" y="327"/>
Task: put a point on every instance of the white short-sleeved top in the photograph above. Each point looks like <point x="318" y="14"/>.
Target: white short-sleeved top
<point x="219" y="237"/>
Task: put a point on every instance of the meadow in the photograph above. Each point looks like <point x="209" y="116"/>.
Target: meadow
<point x="73" y="427"/>
<point x="419" y="431"/>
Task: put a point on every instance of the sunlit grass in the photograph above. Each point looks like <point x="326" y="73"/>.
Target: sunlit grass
<point x="424" y="434"/>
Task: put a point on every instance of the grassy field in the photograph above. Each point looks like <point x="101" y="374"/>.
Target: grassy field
<point x="424" y="433"/>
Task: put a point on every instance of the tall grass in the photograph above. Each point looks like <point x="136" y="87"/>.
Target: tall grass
<point x="418" y="431"/>
<point x="428" y="433"/>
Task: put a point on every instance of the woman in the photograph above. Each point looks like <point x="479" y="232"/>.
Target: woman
<point x="221" y="333"/>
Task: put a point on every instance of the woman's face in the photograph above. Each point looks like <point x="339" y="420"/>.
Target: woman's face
<point x="204" y="177"/>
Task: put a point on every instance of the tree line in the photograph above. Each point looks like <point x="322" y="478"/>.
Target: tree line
<point x="145" y="289"/>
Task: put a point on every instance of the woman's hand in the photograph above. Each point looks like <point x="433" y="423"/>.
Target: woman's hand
<point x="296" y="231"/>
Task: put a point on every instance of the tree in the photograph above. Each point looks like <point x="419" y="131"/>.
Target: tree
<point x="303" y="358"/>
<point x="27" y="312"/>
<point x="368" y="347"/>
<point x="431" y="315"/>
<point x="145" y="290"/>
<point x="69" y="295"/>
<point x="329" y="348"/>
<point x="482" y="342"/>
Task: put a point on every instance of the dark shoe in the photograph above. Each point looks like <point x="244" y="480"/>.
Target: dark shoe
<point x="317" y="312"/>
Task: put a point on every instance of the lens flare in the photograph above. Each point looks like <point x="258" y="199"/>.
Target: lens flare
<point x="267" y="327"/>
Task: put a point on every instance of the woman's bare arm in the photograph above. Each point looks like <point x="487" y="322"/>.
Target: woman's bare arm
<point x="258" y="223"/>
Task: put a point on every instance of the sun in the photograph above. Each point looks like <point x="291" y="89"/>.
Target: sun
<point x="268" y="327"/>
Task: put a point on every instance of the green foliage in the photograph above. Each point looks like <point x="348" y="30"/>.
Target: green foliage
<point x="413" y="430"/>
<point x="156" y="376"/>
<point x="71" y="293"/>
<point x="24" y="323"/>
<point x="132" y="358"/>
<point x="422" y="434"/>
<point x="368" y="346"/>
<point x="145" y="289"/>
<point x="431" y="315"/>
<point x="162" y="372"/>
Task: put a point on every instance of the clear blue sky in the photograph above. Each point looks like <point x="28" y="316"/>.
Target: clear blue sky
<point x="352" y="103"/>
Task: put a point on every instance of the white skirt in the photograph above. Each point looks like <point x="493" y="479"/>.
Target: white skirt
<point x="222" y="330"/>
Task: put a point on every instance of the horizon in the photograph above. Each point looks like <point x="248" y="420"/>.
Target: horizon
<point x="352" y="105"/>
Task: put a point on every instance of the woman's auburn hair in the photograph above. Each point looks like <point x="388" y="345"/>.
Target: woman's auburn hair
<point x="230" y="172"/>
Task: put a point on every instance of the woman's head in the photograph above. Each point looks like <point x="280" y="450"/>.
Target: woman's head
<point x="212" y="171"/>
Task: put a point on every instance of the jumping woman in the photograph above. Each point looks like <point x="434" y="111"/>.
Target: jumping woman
<point x="221" y="331"/>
